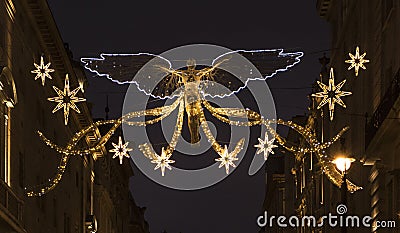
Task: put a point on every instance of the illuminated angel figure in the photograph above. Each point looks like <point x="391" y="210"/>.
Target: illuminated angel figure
<point x="188" y="85"/>
<point x="223" y="76"/>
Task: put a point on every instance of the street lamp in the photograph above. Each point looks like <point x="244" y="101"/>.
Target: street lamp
<point x="343" y="164"/>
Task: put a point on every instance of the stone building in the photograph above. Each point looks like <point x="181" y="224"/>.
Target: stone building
<point x="373" y="109"/>
<point x="372" y="113"/>
<point x="27" y="32"/>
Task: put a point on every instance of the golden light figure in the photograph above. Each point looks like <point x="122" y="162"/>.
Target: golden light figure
<point x="191" y="102"/>
<point x="120" y="150"/>
<point x="331" y="94"/>
<point x="162" y="161"/>
<point x="66" y="99"/>
<point x="265" y="146"/>
<point x="227" y="159"/>
<point x="42" y="71"/>
<point x="357" y="61"/>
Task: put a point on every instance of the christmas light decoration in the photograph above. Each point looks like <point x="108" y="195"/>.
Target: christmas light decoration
<point x="121" y="150"/>
<point x="66" y="99"/>
<point x="162" y="161"/>
<point x="331" y="94"/>
<point x="120" y="69"/>
<point x="226" y="159"/>
<point x="265" y="146"/>
<point x="357" y="61"/>
<point x="191" y="100"/>
<point x="81" y="85"/>
<point x="42" y="71"/>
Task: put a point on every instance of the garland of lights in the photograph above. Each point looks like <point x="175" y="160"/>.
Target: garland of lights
<point x="227" y="158"/>
<point x="66" y="99"/>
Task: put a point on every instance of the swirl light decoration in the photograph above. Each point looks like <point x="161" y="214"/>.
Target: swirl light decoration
<point x="191" y="99"/>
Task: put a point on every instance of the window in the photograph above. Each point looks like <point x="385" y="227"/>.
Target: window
<point x="8" y="99"/>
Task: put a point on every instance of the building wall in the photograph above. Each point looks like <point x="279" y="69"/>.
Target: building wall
<point x="373" y="109"/>
<point x="27" y="31"/>
<point x="114" y="206"/>
<point x="23" y="41"/>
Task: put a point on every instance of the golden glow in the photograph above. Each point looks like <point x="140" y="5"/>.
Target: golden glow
<point x="192" y="102"/>
<point x="81" y="83"/>
<point x="42" y="71"/>
<point x="162" y="161"/>
<point x="7" y="148"/>
<point x="66" y="99"/>
<point x="226" y="159"/>
<point x="121" y="150"/>
<point x="10" y="9"/>
<point x="331" y="94"/>
<point x="357" y="61"/>
<point x="343" y="164"/>
<point x="265" y="146"/>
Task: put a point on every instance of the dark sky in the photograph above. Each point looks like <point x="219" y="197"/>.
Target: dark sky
<point x="94" y="26"/>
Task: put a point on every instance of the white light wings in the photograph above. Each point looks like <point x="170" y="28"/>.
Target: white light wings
<point x="153" y="74"/>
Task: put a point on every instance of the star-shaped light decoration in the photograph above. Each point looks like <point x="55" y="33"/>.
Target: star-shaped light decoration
<point x="66" y="99"/>
<point x="265" y="146"/>
<point x="81" y="85"/>
<point x="227" y="159"/>
<point x="121" y="150"/>
<point x="42" y="71"/>
<point x="331" y="94"/>
<point x="162" y="161"/>
<point x="357" y="61"/>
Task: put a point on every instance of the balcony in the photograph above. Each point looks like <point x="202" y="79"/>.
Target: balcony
<point x="10" y="210"/>
<point x="383" y="109"/>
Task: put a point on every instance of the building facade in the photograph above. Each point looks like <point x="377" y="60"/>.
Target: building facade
<point x="373" y="109"/>
<point x="81" y="201"/>
<point x="372" y="112"/>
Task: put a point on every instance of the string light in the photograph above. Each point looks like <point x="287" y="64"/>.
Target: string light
<point x="42" y="71"/>
<point x="314" y="145"/>
<point x="331" y="94"/>
<point x="356" y="61"/>
<point x="194" y="110"/>
<point x="95" y="65"/>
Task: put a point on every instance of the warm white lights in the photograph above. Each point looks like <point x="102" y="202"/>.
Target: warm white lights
<point x="120" y="150"/>
<point x="162" y="161"/>
<point x="66" y="99"/>
<point x="265" y="146"/>
<point x="343" y="164"/>
<point x="42" y="71"/>
<point x="357" y="61"/>
<point x="331" y="94"/>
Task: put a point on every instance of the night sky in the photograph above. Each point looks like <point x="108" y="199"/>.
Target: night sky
<point x="92" y="27"/>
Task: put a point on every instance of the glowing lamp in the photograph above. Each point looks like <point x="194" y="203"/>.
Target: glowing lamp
<point x="343" y="164"/>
